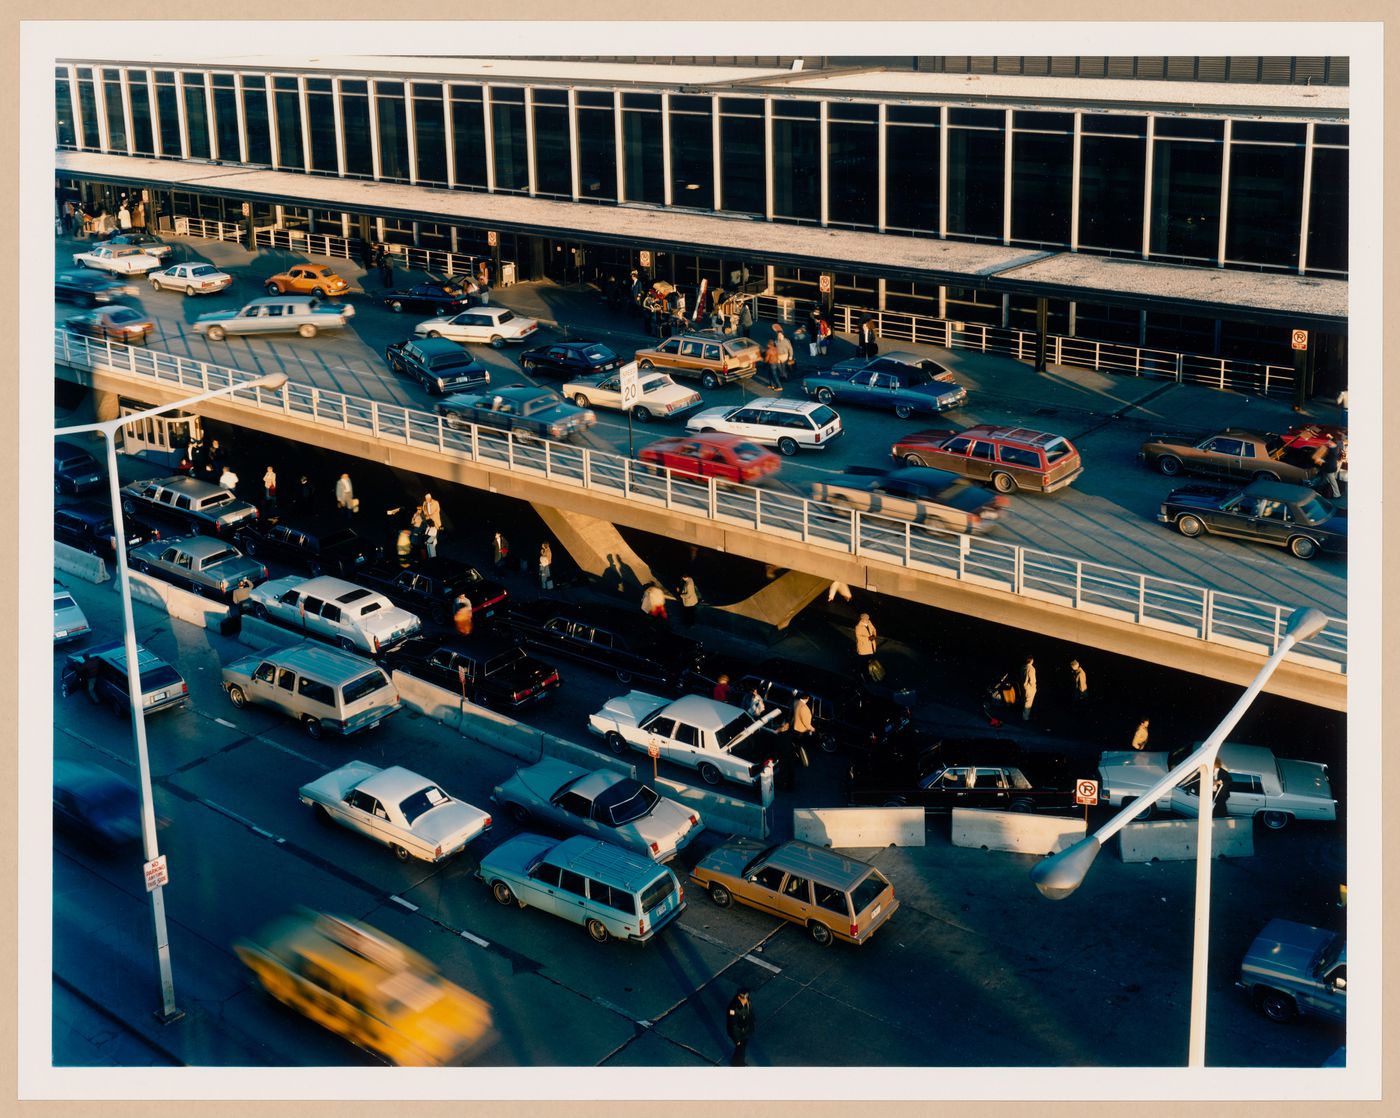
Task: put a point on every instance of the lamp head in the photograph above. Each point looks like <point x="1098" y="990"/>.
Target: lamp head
<point x="273" y="381"/>
<point x="1305" y="624"/>
<point x="1061" y="874"/>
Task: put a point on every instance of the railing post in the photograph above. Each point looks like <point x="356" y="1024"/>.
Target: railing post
<point x="1059" y="341"/>
<point x="548" y="458"/>
<point x="1142" y="598"/>
<point x="1180" y="366"/>
<point x="374" y="419"/>
<point x="587" y="460"/>
<point x="1222" y="374"/>
<point x="345" y="411"/>
<point x="907" y="527"/>
<point x="1278" y="628"/>
<point x="1137" y="362"/>
<point x="1078" y="582"/>
<point x="806" y="520"/>
<point x="1018" y="574"/>
<point x="714" y="498"/>
<point x="1208" y="616"/>
<point x="855" y="532"/>
<point x="984" y="339"/>
<point x="947" y="333"/>
<point x="757" y="515"/>
<point x="1097" y="346"/>
<point x="627" y="478"/>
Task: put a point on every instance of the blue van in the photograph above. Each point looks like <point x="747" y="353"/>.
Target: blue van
<point x="610" y="891"/>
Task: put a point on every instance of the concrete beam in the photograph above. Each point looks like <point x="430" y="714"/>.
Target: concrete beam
<point x="781" y="600"/>
<point x="597" y="547"/>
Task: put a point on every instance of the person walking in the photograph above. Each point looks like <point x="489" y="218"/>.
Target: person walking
<point x="823" y="336"/>
<point x="739" y="1024"/>
<point x="345" y="495"/>
<point x="430" y="534"/>
<point x="462" y="615"/>
<point x="1140" y="735"/>
<point x="753" y="703"/>
<point x="720" y="694"/>
<point x="1220" y="791"/>
<point x="745" y="317"/>
<point x="866" y="640"/>
<point x="386" y="270"/>
<point x="214" y="459"/>
<point x="228" y="479"/>
<point x="814" y="331"/>
<point x="500" y="550"/>
<point x="241" y="593"/>
<point x="1027" y="688"/>
<point x="1329" y="465"/>
<point x="483" y="281"/>
<point x="431" y="509"/>
<point x="546" y="566"/>
<point x="869" y="340"/>
<point x="787" y="361"/>
<point x="1078" y="682"/>
<point x="690" y="599"/>
<point x="773" y="358"/>
<point x="270" y="485"/>
<point x="654" y="602"/>
<point x="804" y="730"/>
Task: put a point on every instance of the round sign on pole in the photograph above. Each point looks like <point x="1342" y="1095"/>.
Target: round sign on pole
<point x="1300" y="339"/>
<point x="824" y="283"/>
<point x="644" y="258"/>
<point x="653" y="749"/>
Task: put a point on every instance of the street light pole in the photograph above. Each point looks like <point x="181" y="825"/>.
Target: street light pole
<point x="169" y="1011"/>
<point x="1061" y="874"/>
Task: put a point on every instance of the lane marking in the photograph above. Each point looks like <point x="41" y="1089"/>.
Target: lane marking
<point x="764" y="964"/>
<point x="407" y="904"/>
<point x="475" y="939"/>
<point x="239" y="819"/>
<point x="225" y="722"/>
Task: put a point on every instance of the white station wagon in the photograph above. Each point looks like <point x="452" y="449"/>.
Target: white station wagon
<point x="789" y="425"/>
<point x="192" y="279"/>
<point x="495" y="325"/>
<point x="126" y="260"/>
<point x="357" y="619"/>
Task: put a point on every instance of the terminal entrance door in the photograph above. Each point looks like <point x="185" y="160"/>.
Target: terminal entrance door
<point x="159" y="438"/>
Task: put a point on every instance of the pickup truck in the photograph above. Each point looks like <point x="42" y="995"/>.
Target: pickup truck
<point x="429" y="587"/>
<point x="303" y="314"/>
<point x="919" y="494"/>
<point x="1293" y="970"/>
<point x="718" y="740"/>
<point x="540" y="412"/>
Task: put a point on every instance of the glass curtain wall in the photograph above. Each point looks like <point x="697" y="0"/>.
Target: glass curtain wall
<point x="287" y="102"/>
<point x="468" y="137"/>
<point x="1265" y="208"/>
<point x="393" y="131"/>
<point x="597" y="146"/>
<point x="641" y="148"/>
<point x="1186" y="165"/>
<point x="1112" y="175"/>
<point x="429" y="134"/>
<point x="852" y="165"/>
<point x="91" y="137"/>
<point x="320" y="115"/>
<point x="168" y="114"/>
<point x="1327" y="203"/>
<point x="116" y="113"/>
<point x="796" y="159"/>
<point x="976" y="173"/>
<point x="742" y="155"/>
<point x="225" y="119"/>
<point x="508" y="139"/>
<point x="354" y="124"/>
<point x="1042" y="170"/>
<point x="257" y="128"/>
<point x="142" y="133"/>
<point x="692" y="152"/>
<point x="196" y="114"/>
<point x="911" y="168"/>
<point x="553" y="169"/>
<point x="66" y="132"/>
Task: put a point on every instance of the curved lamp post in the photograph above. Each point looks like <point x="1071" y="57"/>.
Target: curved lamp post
<point x="1061" y="874"/>
<point x="168" y="1012"/>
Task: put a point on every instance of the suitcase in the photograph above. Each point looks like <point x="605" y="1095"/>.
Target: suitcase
<point x="875" y="671"/>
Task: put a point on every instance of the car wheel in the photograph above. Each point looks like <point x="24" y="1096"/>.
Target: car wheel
<point x="273" y="289"/>
<point x="519" y="813"/>
<point x="913" y="460"/>
<point x="828" y="743"/>
<point x="581" y="400"/>
<point x="720" y="895"/>
<point x="1276" y="1005"/>
<point x="820" y="933"/>
<point x="1169" y="464"/>
<point x="787" y="447"/>
<point x="1003" y="483"/>
<point x="707" y="380"/>
<point x="216" y="333"/>
<point x="306" y="330"/>
<point x="434" y="334"/>
<point x="155" y="285"/>
<point x="641" y="415"/>
<point x="616" y="742"/>
<point x="399" y="852"/>
<point x="396" y="306"/>
<point x="347" y="644"/>
<point x="251" y="546"/>
<point x="596" y="932"/>
<point x="896" y="801"/>
<point x="236" y="696"/>
<point x="314" y="730"/>
<point x="903" y="411"/>
<point x="645" y="363"/>
<point x="323" y="817"/>
<point x="318" y="292"/>
<point x="1190" y="526"/>
<point x="1275" y="820"/>
<point x="1265" y="475"/>
<point x="257" y="610"/>
<point x="502" y="894"/>
<point x="188" y="290"/>
<point x="497" y="342"/>
<point x="143" y="567"/>
<point x="825" y="395"/>
<point x="1147" y="813"/>
<point x="1022" y="805"/>
<point x="1304" y="547"/>
<point x="81" y="263"/>
<point x="623" y="677"/>
<point x="709" y="774"/>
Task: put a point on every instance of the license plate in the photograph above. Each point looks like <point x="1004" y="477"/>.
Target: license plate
<point x="876" y="913"/>
<point x="373" y="725"/>
<point x="60" y="634"/>
<point x="157" y="698"/>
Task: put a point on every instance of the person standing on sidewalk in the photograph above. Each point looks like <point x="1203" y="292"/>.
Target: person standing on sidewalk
<point x="546" y="566"/>
<point x="869" y="340"/>
<point x="1027" y="688"/>
<point x="654" y="602"/>
<point x="773" y="358"/>
<point x="345" y="495"/>
<point x="270" y="485"/>
<point x="739" y="1024"/>
<point x="785" y="357"/>
<point x="745" y="317"/>
<point x="1078" y="682"/>
<point x="1329" y="465"/>
<point x="431" y="509"/>
<point x="690" y="599"/>
<point x="814" y="331"/>
<point x="500" y="550"/>
<point x="430" y="534"/>
<point x="804" y="731"/>
<point x="866" y="639"/>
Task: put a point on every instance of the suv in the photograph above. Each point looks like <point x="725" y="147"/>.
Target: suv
<point x="438" y="365"/>
<point x="789" y="425"/>
<point x="201" y="506"/>
<point x="330" y="548"/>
<point x="1010" y="458"/>
<point x="1293" y="969"/>
<point x="162" y="687"/>
<point x="87" y="525"/>
<point x="356" y="619"/>
<point x="75" y="470"/>
<point x="488" y="670"/>
<point x="704" y="355"/>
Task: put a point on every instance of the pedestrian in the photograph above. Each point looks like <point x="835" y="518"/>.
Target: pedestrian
<point x="690" y="599"/>
<point x="721" y="692"/>
<point x="546" y="566"/>
<point x="404" y="547"/>
<point x="869" y="344"/>
<point x="866" y="639"/>
<point x="430" y="534"/>
<point x="431" y="509"/>
<point x="386" y="271"/>
<point x="1140" y="735"/>
<point x="1027" y="688"/>
<point x="1329" y="465"/>
<point x="654" y="602"/>
<point x="462" y="615"/>
<point x="745" y="318"/>
<point x="804" y="731"/>
<point x="786" y="361"/>
<point x="228" y="479"/>
<point x="345" y="496"/>
<point x="124" y="217"/>
<point x="270" y="485"/>
<point x="814" y="331"/>
<point x="241" y="593"/>
<point x="214" y="459"/>
<point x="753" y="703"/>
<point x="500" y="550"/>
<point x="739" y="1023"/>
<point x="823" y="336"/>
<point x="1220" y="791"/>
<point x="773" y="358"/>
<point x="86" y="677"/>
<point x="1078" y="682"/>
<point x="838" y="589"/>
<point x="306" y="491"/>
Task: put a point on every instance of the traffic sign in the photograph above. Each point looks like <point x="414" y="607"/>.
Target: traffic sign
<point x="492" y="238"/>
<point x="157" y="874"/>
<point x="1086" y="792"/>
<point x="628" y="388"/>
<point x="1300" y="339"/>
<point x="824" y="282"/>
<point x="653" y="748"/>
<point x="644" y="258"/>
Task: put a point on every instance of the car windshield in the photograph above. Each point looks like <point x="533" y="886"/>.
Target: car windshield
<point x="823" y="415"/>
<point x="204" y="270"/>
<point x="155" y="675"/>
<point x="451" y="361"/>
<point x="625" y="802"/>
<point x="503" y="660"/>
<point x="365" y="685"/>
<point x="736" y="346"/>
<point x="124" y="314"/>
<point x="651" y="384"/>
<point x="598" y="354"/>
<point x="222" y="498"/>
<point x="726" y="734"/>
<point x="1056" y="449"/>
<point x="422" y="802"/>
<point x="747" y="452"/>
<point x="756" y="861"/>
<point x="1314" y="510"/>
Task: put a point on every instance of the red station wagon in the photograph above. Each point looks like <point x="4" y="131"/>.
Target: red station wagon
<point x="728" y="457"/>
<point x="1010" y="458"/>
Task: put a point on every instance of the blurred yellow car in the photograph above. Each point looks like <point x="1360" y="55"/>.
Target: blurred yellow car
<point x="307" y="279"/>
<point x="369" y="988"/>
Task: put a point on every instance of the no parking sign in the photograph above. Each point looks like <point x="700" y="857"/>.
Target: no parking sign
<point x="1086" y="792"/>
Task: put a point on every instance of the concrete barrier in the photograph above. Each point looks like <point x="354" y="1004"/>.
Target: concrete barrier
<point x="859" y="826"/>
<point x="1020" y="832"/>
<point x="259" y="635"/>
<point x="716" y="810"/>
<point x="1174" y="840"/>
<point x="180" y="604"/>
<point x="89" y="568"/>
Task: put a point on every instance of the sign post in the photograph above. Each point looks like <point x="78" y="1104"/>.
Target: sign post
<point x="1300" y="369"/>
<point x="1086" y="792"/>
<point x="630" y="392"/>
<point x="462" y="684"/>
<point x="653" y="751"/>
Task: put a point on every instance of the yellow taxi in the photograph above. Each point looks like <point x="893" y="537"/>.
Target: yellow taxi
<point x="307" y="279"/>
<point x="368" y="988"/>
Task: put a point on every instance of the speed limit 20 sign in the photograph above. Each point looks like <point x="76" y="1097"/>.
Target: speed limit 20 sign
<point x="1086" y="792"/>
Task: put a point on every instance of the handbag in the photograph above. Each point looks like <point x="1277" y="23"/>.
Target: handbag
<point x="802" y="758"/>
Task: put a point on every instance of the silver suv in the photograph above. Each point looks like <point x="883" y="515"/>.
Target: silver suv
<point x="1293" y="970"/>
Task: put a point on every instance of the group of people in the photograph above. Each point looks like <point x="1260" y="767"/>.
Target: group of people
<point x="686" y="592"/>
<point x="419" y="538"/>
<point x="78" y="219"/>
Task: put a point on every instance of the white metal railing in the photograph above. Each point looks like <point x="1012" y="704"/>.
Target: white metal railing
<point x="207" y="229"/>
<point x="1132" y="597"/>
<point x="1081" y="353"/>
<point x="437" y="262"/>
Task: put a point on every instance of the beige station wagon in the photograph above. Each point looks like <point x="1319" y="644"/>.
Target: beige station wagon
<point x="712" y="359"/>
<point x="833" y="896"/>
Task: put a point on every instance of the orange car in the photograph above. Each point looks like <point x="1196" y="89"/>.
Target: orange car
<point x="307" y="279"/>
<point x="728" y="457"/>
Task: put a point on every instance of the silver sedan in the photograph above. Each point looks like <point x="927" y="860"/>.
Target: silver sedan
<point x="197" y="563"/>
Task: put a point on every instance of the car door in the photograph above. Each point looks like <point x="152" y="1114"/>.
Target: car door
<point x="311" y="618"/>
<point x="574" y="811"/>
<point x="898" y="499"/>
<point x="796" y="899"/>
<point x="262" y="684"/>
<point x="1248" y="796"/>
<point x="667" y="355"/>
<point x="981" y="460"/>
<point x="763" y="888"/>
<point x="362" y="812"/>
<point x="1274" y="522"/>
<point x="860" y="389"/>
<point x="1238" y="516"/>
<point x="989" y="789"/>
<point x="660" y="731"/>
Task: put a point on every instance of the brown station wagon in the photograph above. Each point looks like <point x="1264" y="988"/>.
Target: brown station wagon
<point x="712" y="359"/>
<point x="1010" y="458"/>
<point x="833" y="896"/>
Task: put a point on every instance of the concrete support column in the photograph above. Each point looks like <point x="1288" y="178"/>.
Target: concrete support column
<point x="105" y="405"/>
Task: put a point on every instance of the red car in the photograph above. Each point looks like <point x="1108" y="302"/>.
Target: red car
<point x="728" y="457"/>
<point x="121" y="324"/>
<point x="1313" y="436"/>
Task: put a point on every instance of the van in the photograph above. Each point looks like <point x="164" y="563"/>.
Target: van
<point x="102" y="670"/>
<point x="322" y="688"/>
<point x="833" y="896"/>
<point x="612" y="892"/>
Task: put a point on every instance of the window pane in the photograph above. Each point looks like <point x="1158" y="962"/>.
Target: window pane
<point x="641" y="153"/>
<point x="597" y="153"/>
<point x="853" y="159"/>
<point x="87" y="105"/>
<point x="116" y="119"/>
<point x="142" y="135"/>
<point x="320" y="114"/>
<point x="430" y="138"/>
<point x="553" y="172"/>
<point x="196" y="115"/>
<point x="911" y="178"/>
<point x="692" y="157"/>
<point x="288" y="131"/>
<point x="742" y="164"/>
<point x="354" y="113"/>
<point x="975" y="176"/>
<point x="468" y="139"/>
<point x="1266" y="204"/>
<point x="797" y="169"/>
<point x="1327" y="210"/>
<point x="1041" y="169"/>
<point x="225" y="123"/>
<point x="393" y="131"/>
<point x="508" y="135"/>
<point x="1186" y="199"/>
<point x="1111" y="174"/>
<point x="255" y="123"/>
<point x="66" y="134"/>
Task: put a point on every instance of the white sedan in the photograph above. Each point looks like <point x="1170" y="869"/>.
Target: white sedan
<point x="408" y="813"/>
<point x="126" y="260"/>
<point x="496" y="325"/>
<point x="192" y="279"/>
<point x="660" y="395"/>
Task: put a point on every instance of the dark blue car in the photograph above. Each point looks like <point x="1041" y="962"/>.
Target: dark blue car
<point x="903" y="383"/>
<point x="1291" y="516"/>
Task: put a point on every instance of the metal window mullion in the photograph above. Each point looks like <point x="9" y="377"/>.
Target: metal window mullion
<point x="617" y="148"/>
<point x="99" y="100"/>
<point x="943" y="171"/>
<point x="1224" y="196"/>
<point x="1074" y="182"/>
<point x="273" y="134"/>
<point x="240" y="117"/>
<point x="305" y="112"/>
<point x="410" y="120"/>
<point x="181" y="115"/>
<point x="153" y="107"/>
<point x="1007" y="164"/>
<point x="126" y="112"/>
<point x="488" y="131"/>
<point x="1149" y="154"/>
<point x="1306" y="217"/>
<point x="337" y="107"/>
<point x="716" y="160"/>
<point x="882" y="155"/>
<point x="768" y="159"/>
<point x="530" y="141"/>
<point x="77" y="107"/>
<point x="211" y="120"/>
<point x="574" y="176"/>
<point x="374" y="161"/>
<point x="666" y="196"/>
<point x="823" y="151"/>
<point x="449" y="145"/>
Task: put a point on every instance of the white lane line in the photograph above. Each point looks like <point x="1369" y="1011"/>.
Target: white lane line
<point x="407" y="904"/>
<point x="475" y="939"/>
<point x="225" y="722"/>
<point x="245" y="822"/>
<point x="763" y="963"/>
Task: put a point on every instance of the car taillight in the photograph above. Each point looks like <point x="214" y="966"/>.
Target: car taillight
<point x="694" y="819"/>
<point x="487" y="823"/>
<point x="264" y="571"/>
<point x="855" y="931"/>
<point x="376" y="644"/>
<point x="656" y="848"/>
<point x="184" y="688"/>
<point x="680" y="891"/>
<point x="438" y="852"/>
<point x="521" y="696"/>
<point x="113" y="541"/>
<point x="552" y="677"/>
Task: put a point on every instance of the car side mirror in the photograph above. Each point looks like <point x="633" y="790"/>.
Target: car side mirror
<point x="1339" y="984"/>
